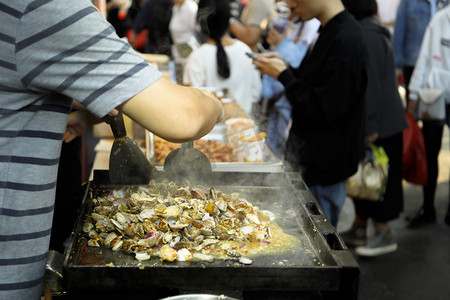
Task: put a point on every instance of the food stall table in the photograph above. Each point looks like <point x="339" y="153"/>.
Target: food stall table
<point x="322" y="268"/>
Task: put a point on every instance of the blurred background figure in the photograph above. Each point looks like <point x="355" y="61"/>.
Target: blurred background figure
<point x="182" y="29"/>
<point x="387" y="11"/>
<point x="291" y="41"/>
<point x="154" y="19"/>
<point x="432" y="74"/>
<point x="384" y="124"/>
<point x="253" y="20"/>
<point x="121" y="14"/>
<point x="221" y="61"/>
<point x="411" y="21"/>
<point x="326" y="137"/>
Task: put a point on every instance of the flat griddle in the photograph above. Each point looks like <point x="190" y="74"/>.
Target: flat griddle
<point x="323" y="262"/>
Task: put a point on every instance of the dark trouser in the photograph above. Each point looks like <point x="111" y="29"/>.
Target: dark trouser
<point x="67" y="186"/>
<point x="392" y="204"/>
<point x="432" y="134"/>
<point x="407" y="73"/>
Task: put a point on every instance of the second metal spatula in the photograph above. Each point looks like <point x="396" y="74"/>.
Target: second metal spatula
<point x="127" y="163"/>
<point x="188" y="163"/>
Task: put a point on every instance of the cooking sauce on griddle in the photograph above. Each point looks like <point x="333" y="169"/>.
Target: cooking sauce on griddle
<point x="279" y="243"/>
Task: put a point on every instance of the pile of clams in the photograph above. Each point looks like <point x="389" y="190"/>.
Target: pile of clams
<point x="176" y="222"/>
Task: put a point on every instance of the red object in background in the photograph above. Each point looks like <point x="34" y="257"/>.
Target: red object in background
<point x="140" y="41"/>
<point x="400" y="79"/>
<point x="121" y="15"/>
<point x="414" y="161"/>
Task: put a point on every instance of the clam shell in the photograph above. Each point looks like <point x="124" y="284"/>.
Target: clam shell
<point x="184" y="255"/>
<point x="142" y="255"/>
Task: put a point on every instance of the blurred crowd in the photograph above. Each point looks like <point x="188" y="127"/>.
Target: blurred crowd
<point x="321" y="77"/>
<point x="209" y="43"/>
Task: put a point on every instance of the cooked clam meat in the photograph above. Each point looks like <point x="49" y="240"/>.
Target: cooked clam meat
<point x="176" y="222"/>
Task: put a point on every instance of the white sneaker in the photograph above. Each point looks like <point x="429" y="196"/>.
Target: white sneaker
<point x="381" y="242"/>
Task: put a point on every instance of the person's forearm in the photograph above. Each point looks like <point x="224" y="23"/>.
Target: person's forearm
<point x="174" y="112"/>
<point x="110" y="5"/>
<point x="250" y="34"/>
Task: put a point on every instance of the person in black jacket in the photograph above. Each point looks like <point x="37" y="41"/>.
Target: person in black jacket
<point x="155" y="17"/>
<point x="327" y="96"/>
<point x="385" y="122"/>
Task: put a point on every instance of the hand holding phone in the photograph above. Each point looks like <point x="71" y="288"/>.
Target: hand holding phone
<point x="251" y="55"/>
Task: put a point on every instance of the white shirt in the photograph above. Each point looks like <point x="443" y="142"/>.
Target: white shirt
<point x="432" y="69"/>
<point x="387" y="11"/>
<point x="244" y="83"/>
<point x="305" y="32"/>
<point x="182" y="25"/>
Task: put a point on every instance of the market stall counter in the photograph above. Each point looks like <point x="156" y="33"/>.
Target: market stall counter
<point x="319" y="266"/>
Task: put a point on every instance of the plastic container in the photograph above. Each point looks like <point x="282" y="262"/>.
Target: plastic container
<point x="238" y="128"/>
<point x="282" y="13"/>
<point x="250" y="151"/>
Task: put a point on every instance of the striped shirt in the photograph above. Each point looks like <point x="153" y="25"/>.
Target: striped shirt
<point x="52" y="51"/>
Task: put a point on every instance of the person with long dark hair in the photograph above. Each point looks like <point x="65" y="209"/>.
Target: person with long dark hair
<point x="385" y="121"/>
<point x="221" y="61"/>
<point x="155" y="17"/>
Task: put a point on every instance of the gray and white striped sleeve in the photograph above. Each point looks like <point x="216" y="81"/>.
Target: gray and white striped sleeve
<point x="75" y="52"/>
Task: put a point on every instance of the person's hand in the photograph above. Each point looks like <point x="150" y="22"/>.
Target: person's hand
<point x="274" y="37"/>
<point x="79" y="121"/>
<point x="270" y="63"/>
<point x="370" y="138"/>
<point x="77" y="124"/>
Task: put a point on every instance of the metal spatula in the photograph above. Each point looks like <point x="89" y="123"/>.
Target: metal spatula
<point x="188" y="163"/>
<point x="127" y="163"/>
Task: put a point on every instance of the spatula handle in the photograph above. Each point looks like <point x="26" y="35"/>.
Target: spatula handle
<point x="117" y="126"/>
<point x="188" y="145"/>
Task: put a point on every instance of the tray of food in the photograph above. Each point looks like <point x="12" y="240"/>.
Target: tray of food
<point x="235" y="145"/>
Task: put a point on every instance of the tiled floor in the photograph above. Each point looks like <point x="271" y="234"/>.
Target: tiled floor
<point x="420" y="268"/>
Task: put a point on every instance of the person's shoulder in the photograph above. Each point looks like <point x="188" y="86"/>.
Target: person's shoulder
<point x="346" y="35"/>
<point x="442" y="15"/>
<point x="18" y="6"/>
<point x="192" y="5"/>
<point x="238" y="50"/>
<point x="238" y="44"/>
<point x="203" y="51"/>
<point x="342" y="26"/>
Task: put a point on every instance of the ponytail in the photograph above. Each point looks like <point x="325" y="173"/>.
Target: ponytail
<point x="223" y="67"/>
<point x="214" y="19"/>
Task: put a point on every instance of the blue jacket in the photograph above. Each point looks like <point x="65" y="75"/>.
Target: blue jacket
<point x="293" y="54"/>
<point x="412" y="19"/>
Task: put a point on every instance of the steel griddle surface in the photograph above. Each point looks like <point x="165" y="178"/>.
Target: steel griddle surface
<point x="316" y="264"/>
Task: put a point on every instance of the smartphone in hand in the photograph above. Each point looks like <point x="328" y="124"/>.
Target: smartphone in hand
<point x="251" y="55"/>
